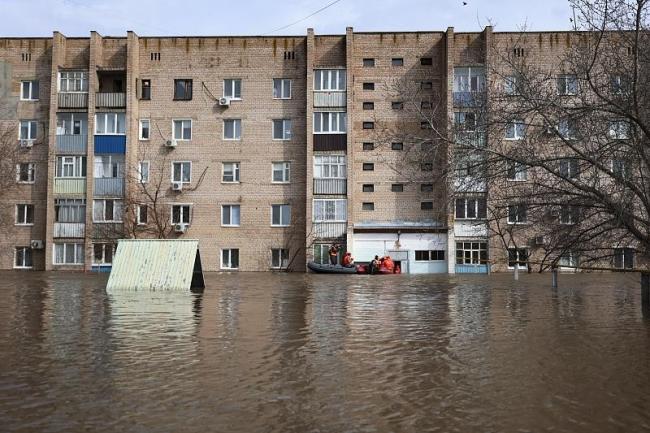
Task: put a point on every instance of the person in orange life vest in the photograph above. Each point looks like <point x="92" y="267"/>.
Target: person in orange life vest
<point x="348" y="260"/>
<point x="388" y="264"/>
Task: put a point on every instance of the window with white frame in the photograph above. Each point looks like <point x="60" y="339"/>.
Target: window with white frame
<point x="569" y="168"/>
<point x="230" y="258"/>
<point x="330" y="122"/>
<point x="103" y="253"/>
<point x="28" y="130"/>
<point x="23" y="258"/>
<point x="230" y="215"/>
<point x="25" y="214"/>
<point x="329" y="79"/>
<point x="619" y="130"/>
<point x="110" y="123"/>
<point x="69" y="254"/>
<point x="142" y="214"/>
<point x="232" y="88"/>
<point x="517" y="171"/>
<point x="517" y="257"/>
<point x="279" y="258"/>
<point x="230" y="172"/>
<point x="282" y="129"/>
<point x="70" y="210"/>
<point x="181" y="213"/>
<point x="568" y="128"/>
<point x="71" y="124"/>
<point x="145" y="129"/>
<point x="232" y="129"/>
<point x="471" y="253"/>
<point x="624" y="258"/>
<point x="109" y="166"/>
<point x="281" y="88"/>
<point x="281" y="172"/>
<point x="517" y="213"/>
<point x="280" y="215"/>
<point x="515" y="130"/>
<point x="619" y="84"/>
<point x="330" y="167"/>
<point x="29" y="90"/>
<point x="620" y="168"/>
<point x="25" y="172"/>
<point x="70" y="166"/>
<point x="568" y="215"/>
<point x="73" y="81"/>
<point x="330" y="210"/>
<point x="182" y="171"/>
<point x="567" y="84"/>
<point x="429" y="255"/>
<point x="107" y="211"/>
<point x="568" y="260"/>
<point x="469" y="79"/>
<point x="511" y="85"/>
<point x="143" y="171"/>
<point x="470" y="208"/>
<point x="182" y="129"/>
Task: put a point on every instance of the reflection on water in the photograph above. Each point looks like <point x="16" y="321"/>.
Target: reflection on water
<point x="311" y="353"/>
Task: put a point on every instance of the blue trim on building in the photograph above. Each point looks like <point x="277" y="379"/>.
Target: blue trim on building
<point x="101" y="268"/>
<point x="110" y="144"/>
<point x="471" y="269"/>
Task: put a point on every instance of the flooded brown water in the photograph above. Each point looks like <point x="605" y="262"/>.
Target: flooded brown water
<point x="310" y="353"/>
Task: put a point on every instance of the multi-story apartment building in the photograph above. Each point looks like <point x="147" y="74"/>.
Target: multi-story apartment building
<point x="266" y="149"/>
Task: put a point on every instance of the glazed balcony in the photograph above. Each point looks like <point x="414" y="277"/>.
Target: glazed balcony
<point x="69" y="230"/>
<point x="329" y="230"/>
<point x="330" y="186"/>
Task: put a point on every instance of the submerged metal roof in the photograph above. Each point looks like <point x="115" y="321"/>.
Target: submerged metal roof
<point x="153" y="264"/>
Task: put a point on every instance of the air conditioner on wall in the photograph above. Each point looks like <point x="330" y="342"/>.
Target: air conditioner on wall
<point x="26" y="143"/>
<point x="180" y="227"/>
<point x="540" y="240"/>
<point x="171" y="143"/>
<point x="225" y="102"/>
<point x="37" y="245"/>
<point x="177" y="186"/>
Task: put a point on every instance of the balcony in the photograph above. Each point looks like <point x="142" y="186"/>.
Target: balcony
<point x="471" y="139"/>
<point x="69" y="230"/>
<point x="70" y="185"/>
<point x="330" y="142"/>
<point x="109" y="187"/>
<point x="329" y="230"/>
<point x="330" y="186"/>
<point x="110" y="100"/>
<point x="110" y="144"/>
<point x="468" y="99"/>
<point x="108" y="230"/>
<point x="330" y="99"/>
<point x="73" y="100"/>
<point x="71" y="144"/>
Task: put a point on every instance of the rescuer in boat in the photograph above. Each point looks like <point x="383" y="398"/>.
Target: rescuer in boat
<point x="334" y="252"/>
<point x="374" y="265"/>
<point x="348" y="260"/>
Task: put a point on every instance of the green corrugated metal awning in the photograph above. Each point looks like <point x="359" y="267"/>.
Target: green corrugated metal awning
<point x="155" y="264"/>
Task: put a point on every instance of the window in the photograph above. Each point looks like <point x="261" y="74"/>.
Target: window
<point x="397" y="61"/>
<point x="25" y="172"/>
<point x="230" y="215"/>
<point x="368" y="86"/>
<point x="332" y="122"/>
<point x="230" y="258"/>
<point x="426" y="205"/>
<point x="279" y="258"/>
<point x="624" y="258"/>
<point x="23" y="258"/>
<point x="368" y="125"/>
<point x="70" y="166"/>
<point x="280" y="215"/>
<point x="568" y="260"/>
<point x="25" y="214"/>
<point x="568" y="129"/>
<point x="105" y="211"/>
<point x="568" y="215"/>
<point x="569" y="168"/>
<point x="471" y="208"/>
<point x="397" y="146"/>
<point x="471" y="253"/>
<point x="181" y="213"/>
<point x="426" y="85"/>
<point x="519" y="52"/>
<point x="232" y="88"/>
<point x="620" y="168"/>
<point x="426" y="187"/>
<point x="517" y="171"/>
<point x="182" y="171"/>
<point x="70" y="210"/>
<point x="232" y="129"/>
<point x="142" y="214"/>
<point x="429" y="255"/>
<point x="567" y="85"/>
<point x="29" y="90"/>
<point x="397" y="187"/>
<point x="103" y="253"/>
<point x="330" y="210"/>
<point x="71" y="124"/>
<point x="28" y="130"/>
<point x="155" y="57"/>
<point x="282" y="129"/>
<point x="367" y="206"/>
<point x="110" y="166"/>
<point x="73" y="81"/>
<point x="515" y="130"/>
<point x="511" y="84"/>
<point x="329" y="79"/>
<point x="426" y="125"/>
<point x="426" y="166"/>
<point x="426" y="61"/>
<point x="182" y="90"/>
<point x="368" y="146"/>
<point x="469" y="79"/>
<point x="517" y="214"/>
<point x="230" y="172"/>
<point x="517" y="257"/>
<point x="368" y="187"/>
<point x="619" y="130"/>
<point x="281" y="172"/>
<point x="69" y="254"/>
<point x="182" y="129"/>
<point x="368" y="105"/>
<point x="368" y="166"/>
<point x="281" y="88"/>
<point x="146" y="90"/>
<point x="619" y="84"/>
<point x="110" y="123"/>
<point x="465" y="121"/>
<point x="143" y="171"/>
<point x="425" y="105"/>
<point x="397" y="105"/>
<point x="145" y="129"/>
<point x="368" y="63"/>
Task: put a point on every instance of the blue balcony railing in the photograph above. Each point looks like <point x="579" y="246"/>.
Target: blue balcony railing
<point x="110" y="144"/>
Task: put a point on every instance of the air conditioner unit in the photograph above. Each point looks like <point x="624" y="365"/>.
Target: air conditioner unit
<point x="37" y="245"/>
<point x="181" y="227"/>
<point x="540" y="240"/>
<point x="26" y="143"/>
<point x="224" y="101"/>
<point x="171" y="143"/>
<point x="177" y="186"/>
